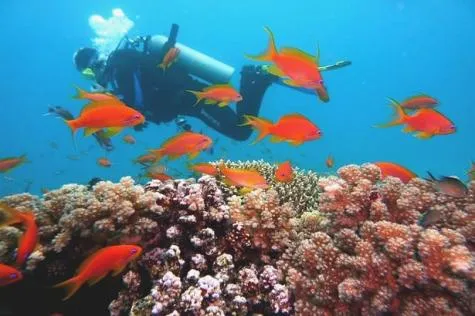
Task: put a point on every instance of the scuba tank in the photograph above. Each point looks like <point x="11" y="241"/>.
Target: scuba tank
<point x="195" y="62"/>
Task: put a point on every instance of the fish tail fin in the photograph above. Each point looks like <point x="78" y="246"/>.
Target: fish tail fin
<point x="13" y="216"/>
<point x="399" y="115"/>
<point x="198" y="96"/>
<point x="72" y="124"/>
<point x="431" y="177"/>
<point x="80" y="93"/>
<point x="71" y="286"/>
<point x="262" y="125"/>
<point x="271" y="51"/>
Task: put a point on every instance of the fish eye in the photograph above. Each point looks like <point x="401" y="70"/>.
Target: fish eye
<point x="13" y="276"/>
<point x="320" y="82"/>
<point x="133" y="251"/>
<point x="137" y="116"/>
<point x="452" y="127"/>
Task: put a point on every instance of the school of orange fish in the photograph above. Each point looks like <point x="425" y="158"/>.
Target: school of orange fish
<point x="108" y="114"/>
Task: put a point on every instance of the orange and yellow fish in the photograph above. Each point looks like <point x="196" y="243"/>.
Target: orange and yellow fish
<point x="330" y="161"/>
<point x="298" y="68"/>
<point x="112" y="115"/>
<point x="395" y="170"/>
<point x="104" y="162"/>
<point x="204" y="168"/>
<point x="146" y="159"/>
<point x="94" y="96"/>
<point x="421" y="101"/>
<point x="247" y="178"/>
<point x="129" y="139"/>
<point x="99" y="264"/>
<point x="425" y="122"/>
<point x="284" y="172"/>
<point x="29" y="239"/>
<point x="9" y="275"/>
<point x="221" y="94"/>
<point x="158" y="172"/>
<point x="169" y="58"/>
<point x="9" y="163"/>
<point x="185" y="143"/>
<point x="293" y="128"/>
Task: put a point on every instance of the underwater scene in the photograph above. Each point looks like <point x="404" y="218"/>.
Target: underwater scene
<point x="237" y="158"/>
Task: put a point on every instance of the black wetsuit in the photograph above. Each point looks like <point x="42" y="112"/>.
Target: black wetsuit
<point x="165" y="98"/>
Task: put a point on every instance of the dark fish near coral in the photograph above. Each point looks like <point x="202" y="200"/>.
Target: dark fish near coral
<point x="430" y="217"/>
<point x="93" y="182"/>
<point x="60" y="112"/>
<point x="449" y="185"/>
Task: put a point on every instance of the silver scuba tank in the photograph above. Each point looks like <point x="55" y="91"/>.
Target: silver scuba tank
<point x="198" y="64"/>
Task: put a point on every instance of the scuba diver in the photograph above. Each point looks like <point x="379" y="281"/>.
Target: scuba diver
<point x="131" y="72"/>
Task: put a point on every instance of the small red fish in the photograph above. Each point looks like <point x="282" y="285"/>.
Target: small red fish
<point x="129" y="139"/>
<point x="29" y="239"/>
<point x="104" y="162"/>
<point x="417" y="102"/>
<point x="9" y="163"/>
<point x="9" y="275"/>
<point x="425" y="122"/>
<point x="157" y="172"/>
<point x="221" y="94"/>
<point x="169" y="58"/>
<point x="112" y="115"/>
<point x="298" y="68"/>
<point x="293" y="128"/>
<point x="205" y="168"/>
<point x="94" y="96"/>
<point x="395" y="170"/>
<point x="185" y="143"/>
<point x="284" y="172"/>
<point x="99" y="264"/>
<point x="330" y="162"/>
<point x="146" y="159"/>
<point x="247" y="178"/>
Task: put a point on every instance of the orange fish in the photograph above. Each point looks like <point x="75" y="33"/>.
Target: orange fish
<point x="293" y="128"/>
<point x="417" y="102"/>
<point x="330" y="162"/>
<point x="185" y="143"/>
<point x="169" y="58"/>
<point x="284" y="172"/>
<point x="158" y="176"/>
<point x="9" y="163"/>
<point x="425" y="122"/>
<point x="9" y="275"/>
<point x="104" y="162"/>
<point x="129" y="139"/>
<point x="395" y="170"/>
<point x="29" y="239"/>
<point x="146" y="159"/>
<point x="94" y="96"/>
<point x="112" y="115"/>
<point x="205" y="168"/>
<point x="99" y="264"/>
<point x="299" y="68"/>
<point x="221" y="94"/>
<point x="247" y="178"/>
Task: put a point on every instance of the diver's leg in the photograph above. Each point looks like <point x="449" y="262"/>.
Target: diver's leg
<point x="254" y="83"/>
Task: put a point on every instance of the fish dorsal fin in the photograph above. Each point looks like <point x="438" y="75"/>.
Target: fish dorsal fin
<point x="171" y="139"/>
<point x="220" y="85"/>
<point x="89" y="259"/>
<point x="96" y="104"/>
<point x="300" y="53"/>
<point x="294" y="115"/>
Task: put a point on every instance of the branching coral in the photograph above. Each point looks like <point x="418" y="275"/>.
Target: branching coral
<point x="350" y="244"/>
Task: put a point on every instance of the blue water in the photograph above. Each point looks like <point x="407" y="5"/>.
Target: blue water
<point x="398" y="48"/>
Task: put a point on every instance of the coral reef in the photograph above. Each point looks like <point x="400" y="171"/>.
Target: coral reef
<point x="350" y="244"/>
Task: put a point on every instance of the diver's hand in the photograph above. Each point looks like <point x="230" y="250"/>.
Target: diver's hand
<point x="140" y="127"/>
